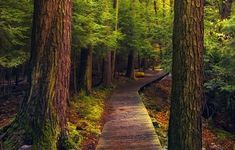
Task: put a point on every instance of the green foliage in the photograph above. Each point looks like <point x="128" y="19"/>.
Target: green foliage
<point x="220" y="54"/>
<point x="90" y="107"/>
<point x="219" y="59"/>
<point x="93" y="25"/>
<point x="74" y="134"/>
<point x="222" y="135"/>
<point x="144" y="28"/>
<point x="15" y="17"/>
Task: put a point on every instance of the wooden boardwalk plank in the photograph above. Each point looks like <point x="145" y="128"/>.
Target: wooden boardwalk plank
<point x="128" y="125"/>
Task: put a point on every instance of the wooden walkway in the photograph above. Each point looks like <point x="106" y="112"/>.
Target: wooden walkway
<point x="128" y="126"/>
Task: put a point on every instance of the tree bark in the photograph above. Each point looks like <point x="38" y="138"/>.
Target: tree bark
<point x="226" y="9"/>
<point x="155" y="7"/>
<point x="113" y="59"/>
<point x="42" y="117"/>
<point x="85" y="70"/>
<point x="130" y="72"/>
<point x="185" y="131"/>
<point x="74" y="72"/>
<point x="113" y="53"/>
<point x="107" y="73"/>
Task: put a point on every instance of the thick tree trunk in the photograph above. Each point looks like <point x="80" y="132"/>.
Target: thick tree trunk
<point x="130" y="72"/>
<point x="107" y="72"/>
<point x="42" y="117"/>
<point x="185" y="131"/>
<point x="226" y="9"/>
<point x="85" y="70"/>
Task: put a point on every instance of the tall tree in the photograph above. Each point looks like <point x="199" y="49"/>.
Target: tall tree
<point x="185" y="131"/>
<point x="109" y="59"/>
<point x="85" y="70"/>
<point x="130" y="72"/>
<point x="41" y="120"/>
<point x="107" y="73"/>
<point x="113" y="53"/>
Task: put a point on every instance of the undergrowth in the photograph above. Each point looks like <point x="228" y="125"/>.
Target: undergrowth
<point x="85" y="117"/>
<point x="157" y="101"/>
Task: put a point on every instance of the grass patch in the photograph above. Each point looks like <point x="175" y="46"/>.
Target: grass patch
<point x="85" y="116"/>
<point x="222" y="134"/>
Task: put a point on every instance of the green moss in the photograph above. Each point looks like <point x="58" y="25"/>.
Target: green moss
<point x="87" y="111"/>
<point x="221" y="134"/>
<point x="89" y="126"/>
<point x="48" y="138"/>
<point x="74" y="134"/>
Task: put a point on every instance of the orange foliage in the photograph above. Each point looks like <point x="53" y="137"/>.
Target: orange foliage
<point x="163" y="119"/>
<point x="212" y="142"/>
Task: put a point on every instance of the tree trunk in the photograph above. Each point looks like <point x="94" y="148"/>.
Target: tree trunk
<point x="85" y="70"/>
<point x="139" y="61"/>
<point x="164" y="8"/>
<point x="107" y="72"/>
<point x="113" y="53"/>
<point x="171" y="6"/>
<point x="130" y="72"/>
<point x="226" y="9"/>
<point x="74" y="72"/>
<point x="155" y="7"/>
<point x="113" y="59"/>
<point x="42" y="116"/>
<point x="185" y="131"/>
<point x="144" y="64"/>
<point x="16" y="73"/>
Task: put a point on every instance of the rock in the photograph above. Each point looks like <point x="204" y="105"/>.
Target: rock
<point x="156" y="125"/>
<point x="213" y="146"/>
<point x="25" y="147"/>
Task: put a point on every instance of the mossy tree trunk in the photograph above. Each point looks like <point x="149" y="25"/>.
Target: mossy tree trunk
<point x="185" y="131"/>
<point x="130" y="72"/>
<point x="85" y="70"/>
<point x="42" y="116"/>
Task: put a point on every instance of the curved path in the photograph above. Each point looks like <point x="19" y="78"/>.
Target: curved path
<point x="128" y="125"/>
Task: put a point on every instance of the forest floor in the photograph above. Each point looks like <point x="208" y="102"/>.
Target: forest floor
<point x="9" y="104"/>
<point x="157" y="102"/>
<point x="87" y="115"/>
